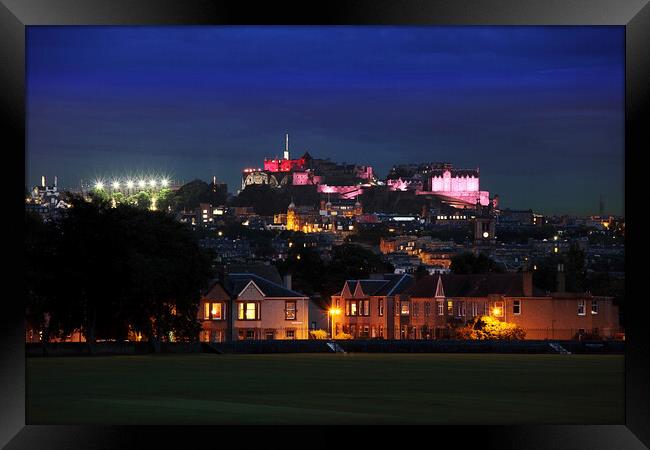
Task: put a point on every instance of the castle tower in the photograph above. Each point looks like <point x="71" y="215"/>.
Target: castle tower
<point x="286" y="147"/>
<point x="291" y="217"/>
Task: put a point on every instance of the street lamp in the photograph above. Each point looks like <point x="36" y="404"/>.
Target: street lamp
<point x="332" y="312"/>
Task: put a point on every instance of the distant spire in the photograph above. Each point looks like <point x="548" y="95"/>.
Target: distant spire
<point x="286" y="147"/>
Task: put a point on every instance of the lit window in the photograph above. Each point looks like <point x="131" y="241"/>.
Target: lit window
<point x="291" y="334"/>
<point x="206" y="312"/>
<point x="581" y="307"/>
<point x="497" y="311"/>
<point x="594" y="306"/>
<point x="248" y="311"/>
<point x="516" y="307"/>
<point x="450" y="308"/>
<point x="217" y="311"/>
<point x="290" y="311"/>
<point x="405" y="309"/>
<point x="380" y="307"/>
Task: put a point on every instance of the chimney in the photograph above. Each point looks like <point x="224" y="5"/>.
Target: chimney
<point x="561" y="278"/>
<point x="287" y="281"/>
<point x="43" y="180"/>
<point x="527" y="281"/>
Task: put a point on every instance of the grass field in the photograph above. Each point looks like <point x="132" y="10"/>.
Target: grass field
<point x="326" y="389"/>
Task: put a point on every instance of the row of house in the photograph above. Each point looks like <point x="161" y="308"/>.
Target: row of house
<point x="401" y="308"/>
<point x="258" y="305"/>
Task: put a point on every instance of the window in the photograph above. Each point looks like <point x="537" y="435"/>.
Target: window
<point x="364" y="307"/>
<point x="250" y="334"/>
<point x="416" y="309"/>
<point x="290" y="310"/>
<point x="516" y="307"/>
<point x="269" y="335"/>
<point x="405" y="308"/>
<point x="213" y="311"/>
<point x="427" y="309"/>
<point x="450" y="307"/>
<point x="291" y="334"/>
<point x="381" y="331"/>
<point x="581" y="307"/>
<point x="474" y="309"/>
<point x="248" y="311"/>
<point x="594" y="306"/>
<point x="380" y="307"/>
<point x="460" y="308"/>
<point x="350" y="307"/>
<point x="441" y="307"/>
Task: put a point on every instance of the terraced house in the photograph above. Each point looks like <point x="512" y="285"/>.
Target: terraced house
<point x="366" y="307"/>
<point x="433" y="306"/>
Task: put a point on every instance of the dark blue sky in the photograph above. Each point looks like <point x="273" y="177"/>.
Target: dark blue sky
<point x="539" y="109"/>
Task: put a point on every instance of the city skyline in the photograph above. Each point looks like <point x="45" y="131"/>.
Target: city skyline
<point x="196" y="102"/>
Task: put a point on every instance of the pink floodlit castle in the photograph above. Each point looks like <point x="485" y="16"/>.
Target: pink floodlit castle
<point x="459" y="184"/>
<point x="441" y="179"/>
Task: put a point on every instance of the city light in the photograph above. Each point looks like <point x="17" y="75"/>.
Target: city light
<point x="164" y="182"/>
<point x="142" y="183"/>
<point x="129" y="184"/>
<point x="335" y="311"/>
<point x="99" y="185"/>
<point x="152" y="182"/>
<point x="116" y="184"/>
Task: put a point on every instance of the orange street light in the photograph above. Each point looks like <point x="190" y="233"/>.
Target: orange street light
<point x="332" y="312"/>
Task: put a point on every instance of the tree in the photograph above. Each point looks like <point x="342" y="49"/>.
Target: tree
<point x="487" y="327"/>
<point x="115" y="269"/>
<point x="469" y="263"/>
<point x="143" y="200"/>
<point x="545" y="277"/>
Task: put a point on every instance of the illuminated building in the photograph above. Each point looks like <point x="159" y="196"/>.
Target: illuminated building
<point x="440" y="179"/>
<point x="367" y="306"/>
<point x="435" y="301"/>
<point x="344" y="180"/>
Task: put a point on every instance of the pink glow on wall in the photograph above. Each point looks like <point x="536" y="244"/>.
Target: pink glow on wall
<point x="465" y="188"/>
<point x="283" y="165"/>
<point x="403" y="185"/>
<point x="346" y="192"/>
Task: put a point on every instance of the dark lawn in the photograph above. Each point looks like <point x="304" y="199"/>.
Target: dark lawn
<point x="326" y="389"/>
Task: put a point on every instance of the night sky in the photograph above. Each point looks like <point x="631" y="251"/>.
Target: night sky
<point x="539" y="109"/>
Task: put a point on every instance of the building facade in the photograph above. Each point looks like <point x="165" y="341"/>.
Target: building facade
<point x="365" y="307"/>
<point x="436" y="304"/>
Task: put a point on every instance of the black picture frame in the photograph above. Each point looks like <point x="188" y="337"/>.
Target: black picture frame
<point x="15" y="15"/>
